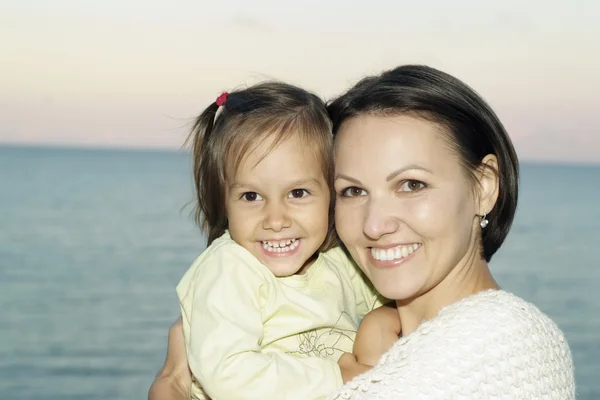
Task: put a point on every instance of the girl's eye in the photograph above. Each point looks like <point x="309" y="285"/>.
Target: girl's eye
<point x="251" y="196"/>
<point x="298" y="193"/>
<point x="353" y="191"/>
<point x="412" y="186"/>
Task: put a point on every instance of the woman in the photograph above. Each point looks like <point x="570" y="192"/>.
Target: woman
<point x="427" y="183"/>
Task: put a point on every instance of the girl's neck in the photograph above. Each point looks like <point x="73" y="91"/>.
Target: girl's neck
<point x="461" y="282"/>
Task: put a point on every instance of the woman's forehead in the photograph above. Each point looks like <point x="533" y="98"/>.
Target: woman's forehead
<point x="399" y="139"/>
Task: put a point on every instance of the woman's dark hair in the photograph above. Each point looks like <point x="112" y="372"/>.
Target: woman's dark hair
<point x="474" y="129"/>
<point x="224" y="134"/>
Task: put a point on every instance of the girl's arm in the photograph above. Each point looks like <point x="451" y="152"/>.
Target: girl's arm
<point x="174" y="380"/>
<point x="377" y="332"/>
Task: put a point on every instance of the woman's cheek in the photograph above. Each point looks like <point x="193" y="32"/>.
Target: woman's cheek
<point x="425" y="213"/>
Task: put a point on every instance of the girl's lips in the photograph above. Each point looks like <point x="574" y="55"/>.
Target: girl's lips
<point x="283" y="250"/>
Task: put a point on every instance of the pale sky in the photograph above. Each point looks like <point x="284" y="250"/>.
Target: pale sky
<point x="132" y="73"/>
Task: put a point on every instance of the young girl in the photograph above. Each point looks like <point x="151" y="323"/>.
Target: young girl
<point x="271" y="305"/>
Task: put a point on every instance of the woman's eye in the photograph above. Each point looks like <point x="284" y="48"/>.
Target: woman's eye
<point x="412" y="186"/>
<point x="353" y="191"/>
<point x="251" y="196"/>
<point x="298" y="193"/>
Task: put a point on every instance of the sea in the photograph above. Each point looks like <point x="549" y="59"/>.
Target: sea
<point x="93" y="242"/>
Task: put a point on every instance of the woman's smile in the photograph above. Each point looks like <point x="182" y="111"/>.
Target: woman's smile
<point x="393" y="255"/>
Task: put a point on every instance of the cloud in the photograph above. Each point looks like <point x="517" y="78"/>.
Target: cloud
<point x="513" y="22"/>
<point x="249" y="23"/>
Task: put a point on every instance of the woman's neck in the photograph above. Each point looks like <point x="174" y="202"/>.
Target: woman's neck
<point x="461" y="282"/>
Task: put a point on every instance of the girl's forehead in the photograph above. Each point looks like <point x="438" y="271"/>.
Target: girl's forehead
<point x="277" y="155"/>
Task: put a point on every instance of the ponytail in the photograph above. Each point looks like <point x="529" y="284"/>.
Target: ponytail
<point x="205" y="181"/>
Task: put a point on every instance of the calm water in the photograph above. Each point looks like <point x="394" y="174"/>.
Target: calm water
<point x="92" y="244"/>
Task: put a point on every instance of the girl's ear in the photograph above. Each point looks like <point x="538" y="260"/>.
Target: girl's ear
<point x="487" y="175"/>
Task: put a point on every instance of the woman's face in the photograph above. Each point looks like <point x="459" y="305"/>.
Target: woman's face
<point x="405" y="208"/>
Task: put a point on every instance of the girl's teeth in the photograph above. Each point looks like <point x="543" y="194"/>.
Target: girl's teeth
<point x="280" y="246"/>
<point x="393" y="254"/>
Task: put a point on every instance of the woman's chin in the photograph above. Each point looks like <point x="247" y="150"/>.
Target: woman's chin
<point x="394" y="289"/>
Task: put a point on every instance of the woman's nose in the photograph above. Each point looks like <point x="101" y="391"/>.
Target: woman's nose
<point x="380" y="219"/>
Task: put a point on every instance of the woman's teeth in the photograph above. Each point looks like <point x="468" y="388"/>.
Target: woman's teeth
<point x="394" y="253"/>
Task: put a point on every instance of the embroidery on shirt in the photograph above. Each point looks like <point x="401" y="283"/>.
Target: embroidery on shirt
<point x="323" y="342"/>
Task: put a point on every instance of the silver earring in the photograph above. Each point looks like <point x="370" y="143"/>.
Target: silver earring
<point x="483" y="222"/>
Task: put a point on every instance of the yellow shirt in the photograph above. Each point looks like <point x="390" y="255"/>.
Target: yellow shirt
<point x="251" y="335"/>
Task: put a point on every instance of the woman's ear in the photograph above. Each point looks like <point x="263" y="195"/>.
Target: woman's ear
<point x="489" y="182"/>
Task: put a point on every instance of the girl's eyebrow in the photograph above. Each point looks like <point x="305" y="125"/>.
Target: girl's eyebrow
<point x="297" y="183"/>
<point x="238" y="185"/>
<point x="305" y="182"/>
<point x="347" y="178"/>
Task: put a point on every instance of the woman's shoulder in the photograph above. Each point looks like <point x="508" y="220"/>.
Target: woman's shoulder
<point x="490" y="342"/>
<point x="499" y="330"/>
<point x="500" y="302"/>
<point x="496" y="314"/>
<point x="501" y="308"/>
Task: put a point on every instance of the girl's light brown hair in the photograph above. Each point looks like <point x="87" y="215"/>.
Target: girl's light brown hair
<point x="223" y="136"/>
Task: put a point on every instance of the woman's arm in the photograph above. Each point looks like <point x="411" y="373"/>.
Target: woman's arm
<point x="174" y="380"/>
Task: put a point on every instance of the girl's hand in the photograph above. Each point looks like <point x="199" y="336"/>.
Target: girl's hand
<point x="350" y="367"/>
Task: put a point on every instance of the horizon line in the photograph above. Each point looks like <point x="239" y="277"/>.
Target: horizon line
<point x="173" y="150"/>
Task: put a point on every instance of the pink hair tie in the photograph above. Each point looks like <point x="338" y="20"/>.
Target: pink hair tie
<point x="222" y="99"/>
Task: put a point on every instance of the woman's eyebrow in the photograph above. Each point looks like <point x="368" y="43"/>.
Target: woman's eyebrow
<point x="404" y="169"/>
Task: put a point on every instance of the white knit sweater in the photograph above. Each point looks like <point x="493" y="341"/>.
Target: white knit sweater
<point x="491" y="345"/>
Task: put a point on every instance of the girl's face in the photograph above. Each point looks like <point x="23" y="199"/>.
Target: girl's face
<point x="277" y="205"/>
<point x="405" y="208"/>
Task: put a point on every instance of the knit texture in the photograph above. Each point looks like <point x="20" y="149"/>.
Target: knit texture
<point x="491" y="345"/>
